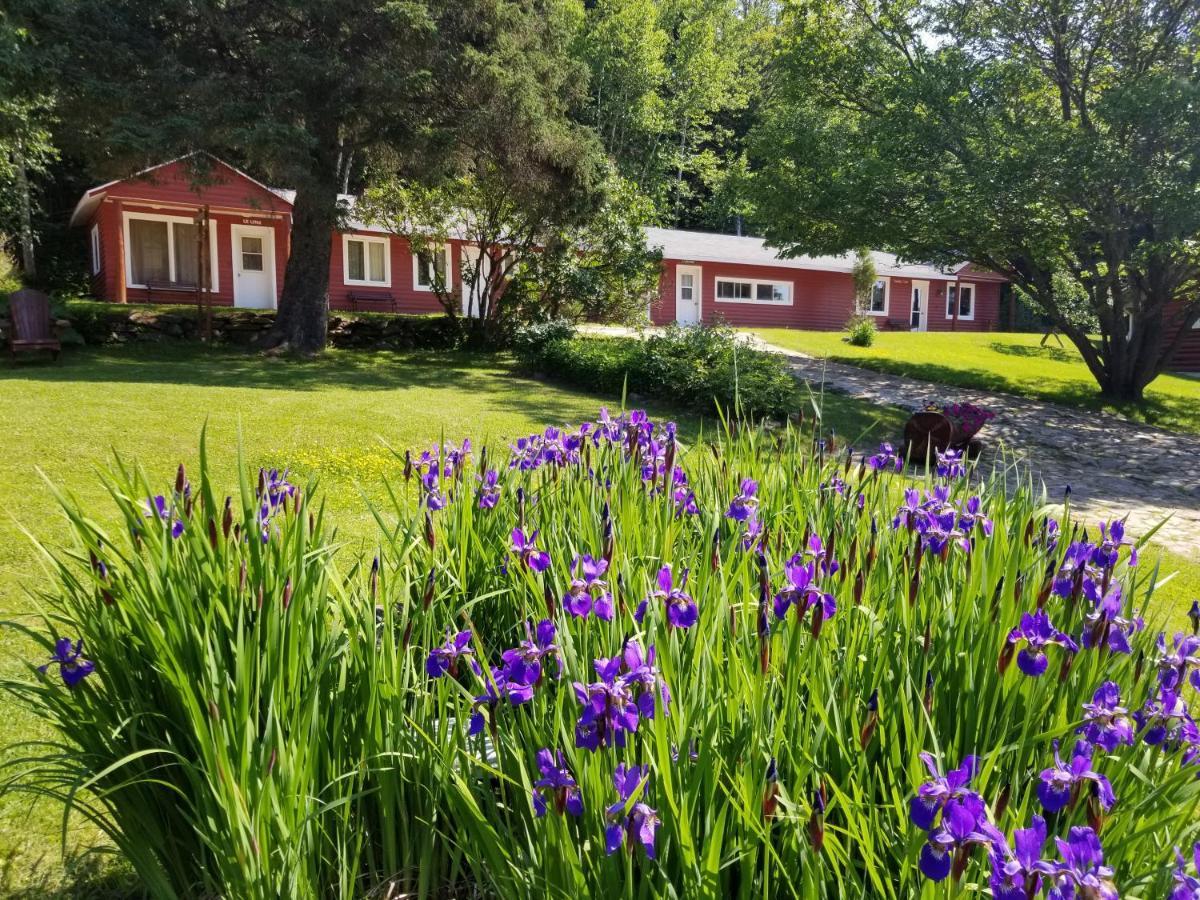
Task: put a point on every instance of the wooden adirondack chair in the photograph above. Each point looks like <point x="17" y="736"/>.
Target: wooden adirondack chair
<point x="31" y="326"/>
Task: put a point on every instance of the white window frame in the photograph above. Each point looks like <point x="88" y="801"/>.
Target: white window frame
<point x="96" y="249"/>
<point x="443" y="249"/>
<point x="387" y="261"/>
<point x="887" y="297"/>
<point x="754" y="283"/>
<point x="213" y="283"/>
<point x="958" y="299"/>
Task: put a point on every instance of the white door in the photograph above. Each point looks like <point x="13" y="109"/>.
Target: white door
<point x="920" y="306"/>
<point x="253" y="266"/>
<point x="471" y="292"/>
<point x="687" y="295"/>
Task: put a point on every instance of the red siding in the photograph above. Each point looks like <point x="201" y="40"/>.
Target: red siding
<point x="224" y="187"/>
<point x="406" y="297"/>
<point x="821" y="301"/>
<point x="1187" y="357"/>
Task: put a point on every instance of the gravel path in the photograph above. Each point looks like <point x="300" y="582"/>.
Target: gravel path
<point x="1114" y="466"/>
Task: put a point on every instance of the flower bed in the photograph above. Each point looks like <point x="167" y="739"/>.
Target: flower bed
<point x="601" y="663"/>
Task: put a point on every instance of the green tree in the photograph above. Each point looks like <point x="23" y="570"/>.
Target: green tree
<point x="600" y="270"/>
<point x="671" y="90"/>
<point x="26" y="146"/>
<point x="864" y="278"/>
<point x="302" y="92"/>
<point x="1027" y="136"/>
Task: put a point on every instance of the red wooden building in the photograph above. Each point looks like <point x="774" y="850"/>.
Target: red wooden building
<point x="741" y="281"/>
<point x="144" y="237"/>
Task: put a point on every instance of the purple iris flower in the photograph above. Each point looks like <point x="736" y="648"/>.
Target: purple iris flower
<point x="1187" y="885"/>
<point x="1076" y="565"/>
<point x="681" y="608"/>
<point x="433" y="498"/>
<point x="683" y="496"/>
<point x="1061" y="783"/>
<point x="71" y="665"/>
<point x="489" y="490"/>
<point x="157" y="507"/>
<point x="496" y="689"/>
<point x="1017" y="871"/>
<point x="643" y="677"/>
<point x="804" y="592"/>
<point x="1173" y="664"/>
<point x="557" y="784"/>
<point x="1112" y="539"/>
<point x="754" y="530"/>
<point x="1038" y="633"/>
<point x="1106" y="722"/>
<point x="523" y="663"/>
<point x="609" y="708"/>
<point x="1082" y="872"/>
<point x="273" y="493"/>
<point x="822" y="557"/>
<point x="1104" y="625"/>
<point x="964" y="823"/>
<point x="589" y="593"/>
<point x="886" y="458"/>
<point x="950" y="464"/>
<point x="1164" y="719"/>
<point x="971" y="516"/>
<point x="444" y="659"/>
<point x="933" y="795"/>
<point x="910" y="511"/>
<point x="525" y="547"/>
<point x="641" y="822"/>
<point x="743" y="506"/>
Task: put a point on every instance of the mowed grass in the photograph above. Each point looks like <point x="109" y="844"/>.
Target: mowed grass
<point x="326" y="418"/>
<point x="994" y="361"/>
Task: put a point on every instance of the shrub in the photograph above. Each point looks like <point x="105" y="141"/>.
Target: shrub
<point x="530" y="338"/>
<point x="9" y="278"/>
<point x="758" y="664"/>
<point x="861" y="331"/>
<point x="694" y="367"/>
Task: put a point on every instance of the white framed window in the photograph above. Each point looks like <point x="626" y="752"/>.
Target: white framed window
<point x="877" y="301"/>
<point x="164" y="250"/>
<point x="96" y="249"/>
<point x="746" y="290"/>
<point x="366" y="260"/>
<point x="431" y="268"/>
<point x="964" y="296"/>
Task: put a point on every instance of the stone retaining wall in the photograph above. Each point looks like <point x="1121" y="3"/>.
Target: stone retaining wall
<point x="119" y="325"/>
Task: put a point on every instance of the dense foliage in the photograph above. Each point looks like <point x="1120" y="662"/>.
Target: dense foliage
<point x="606" y="663"/>
<point x="698" y="368"/>
<point x="861" y="330"/>
<point x="1044" y="141"/>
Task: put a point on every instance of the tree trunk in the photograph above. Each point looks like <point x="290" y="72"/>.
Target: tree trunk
<point x="28" y="259"/>
<point x="304" y="305"/>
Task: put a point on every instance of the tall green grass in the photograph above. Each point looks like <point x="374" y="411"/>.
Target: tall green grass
<point x="260" y="722"/>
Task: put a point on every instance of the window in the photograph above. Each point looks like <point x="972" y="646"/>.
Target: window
<point x="95" y="249"/>
<point x="964" y="295"/>
<point x="430" y="268"/>
<point x="367" y="260"/>
<point x="186" y="241"/>
<point x="877" y="302"/>
<point x="773" y="292"/>
<point x="164" y="250"/>
<point x="252" y="254"/>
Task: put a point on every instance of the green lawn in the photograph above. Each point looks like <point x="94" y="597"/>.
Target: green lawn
<point x="1015" y="363"/>
<point x="324" y="417"/>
